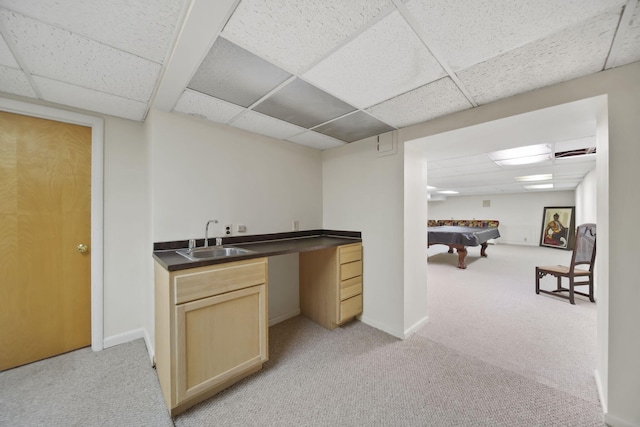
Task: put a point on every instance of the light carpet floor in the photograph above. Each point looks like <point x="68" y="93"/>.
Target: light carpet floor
<point x="489" y="356"/>
<point x="359" y="376"/>
<point x="491" y="311"/>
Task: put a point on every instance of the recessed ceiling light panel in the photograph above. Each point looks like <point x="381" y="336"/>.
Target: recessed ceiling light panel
<point x="235" y="75"/>
<point x="538" y="187"/>
<point x="521" y="155"/>
<point x="303" y="104"/>
<point x="532" y="178"/>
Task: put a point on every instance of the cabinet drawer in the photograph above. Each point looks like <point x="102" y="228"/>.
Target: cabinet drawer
<point x="350" y="253"/>
<point x="208" y="281"/>
<point x="350" y="287"/>
<point x="352" y="269"/>
<point x="350" y="308"/>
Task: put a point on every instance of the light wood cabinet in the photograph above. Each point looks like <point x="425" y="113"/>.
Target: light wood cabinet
<point x="331" y="284"/>
<point x="211" y="329"/>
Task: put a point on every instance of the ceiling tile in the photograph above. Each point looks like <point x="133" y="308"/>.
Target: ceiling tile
<point x="294" y="34"/>
<point x="233" y="74"/>
<point x="304" y="105"/>
<point x="566" y="185"/>
<point x="59" y="55"/>
<point x="384" y="61"/>
<point x="425" y="103"/>
<point x="469" y="32"/>
<point x="575" y="144"/>
<point x="470" y="163"/>
<point x="259" y="123"/>
<point x="354" y="127"/>
<point x="316" y="140"/>
<point x="75" y="96"/>
<point x="14" y="81"/>
<point x="205" y="106"/>
<point x="629" y="49"/>
<point x="143" y="27"/>
<point x="6" y="57"/>
<point x="572" y="53"/>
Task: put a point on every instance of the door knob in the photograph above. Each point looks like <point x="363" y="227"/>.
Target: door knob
<point x="82" y="248"/>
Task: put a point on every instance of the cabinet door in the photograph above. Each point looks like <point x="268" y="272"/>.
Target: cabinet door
<point x="218" y="338"/>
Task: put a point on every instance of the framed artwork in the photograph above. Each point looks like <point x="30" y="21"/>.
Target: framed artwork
<point x="558" y="230"/>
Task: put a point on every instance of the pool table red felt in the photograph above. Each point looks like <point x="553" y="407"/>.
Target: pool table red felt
<point x="458" y="237"/>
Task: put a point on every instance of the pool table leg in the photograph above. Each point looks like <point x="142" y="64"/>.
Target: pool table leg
<point x="462" y="254"/>
<point x="483" y="249"/>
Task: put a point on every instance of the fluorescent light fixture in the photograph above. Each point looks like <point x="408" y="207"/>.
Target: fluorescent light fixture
<point x="512" y="153"/>
<point x="521" y="155"/>
<point x="538" y="186"/>
<point x="532" y="178"/>
<point x="448" y="192"/>
<point x="429" y="188"/>
<point x="523" y="160"/>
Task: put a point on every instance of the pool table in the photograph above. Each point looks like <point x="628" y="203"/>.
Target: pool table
<point x="459" y="237"/>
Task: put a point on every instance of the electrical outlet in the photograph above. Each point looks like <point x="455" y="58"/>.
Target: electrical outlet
<point x="241" y="229"/>
<point x="228" y="229"/>
<point x="295" y="226"/>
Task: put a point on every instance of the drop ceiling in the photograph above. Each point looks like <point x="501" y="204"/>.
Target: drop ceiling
<point x="467" y="160"/>
<point x="321" y="73"/>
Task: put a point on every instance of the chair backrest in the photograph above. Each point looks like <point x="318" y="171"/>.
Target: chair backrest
<point x="584" y="250"/>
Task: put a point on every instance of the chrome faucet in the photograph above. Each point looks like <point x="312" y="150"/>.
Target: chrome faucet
<point x="206" y="232"/>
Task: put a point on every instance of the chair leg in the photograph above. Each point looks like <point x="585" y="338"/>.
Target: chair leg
<point x="591" y="297"/>
<point x="571" y="298"/>
<point x="559" y="286"/>
<point x="537" y="282"/>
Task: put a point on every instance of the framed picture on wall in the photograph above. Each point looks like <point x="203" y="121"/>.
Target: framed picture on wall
<point x="558" y="229"/>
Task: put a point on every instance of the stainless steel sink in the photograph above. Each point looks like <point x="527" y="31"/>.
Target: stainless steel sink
<point x="212" y="252"/>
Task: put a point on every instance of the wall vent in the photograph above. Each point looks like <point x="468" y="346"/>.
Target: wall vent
<point x="486" y="203"/>
<point x="574" y="153"/>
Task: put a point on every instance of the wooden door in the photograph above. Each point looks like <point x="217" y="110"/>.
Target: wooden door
<point x="45" y="213"/>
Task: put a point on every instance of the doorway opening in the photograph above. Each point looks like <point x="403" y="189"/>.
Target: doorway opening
<point x="525" y="129"/>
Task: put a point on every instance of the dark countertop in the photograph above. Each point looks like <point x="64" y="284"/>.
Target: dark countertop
<point x="262" y="245"/>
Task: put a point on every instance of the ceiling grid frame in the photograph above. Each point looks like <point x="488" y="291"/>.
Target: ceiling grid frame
<point x="623" y="27"/>
<point x="448" y="33"/>
<point x="19" y="60"/>
<point x="406" y="14"/>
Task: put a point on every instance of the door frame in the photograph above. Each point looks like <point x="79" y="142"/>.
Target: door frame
<point x="97" y="192"/>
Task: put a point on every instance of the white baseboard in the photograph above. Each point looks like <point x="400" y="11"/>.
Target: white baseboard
<point x="419" y="324"/>
<point x="614" y="421"/>
<point x="603" y="401"/>
<point x="383" y="328"/>
<point x="398" y="334"/>
<point x="129" y="336"/>
<point x="283" y="317"/>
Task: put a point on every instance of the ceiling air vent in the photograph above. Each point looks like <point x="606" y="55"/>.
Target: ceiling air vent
<point x="574" y="153"/>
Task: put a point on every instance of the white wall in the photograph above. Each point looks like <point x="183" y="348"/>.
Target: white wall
<point x="368" y="192"/>
<point x="520" y="214"/>
<point x="364" y="192"/>
<point x="415" y="238"/>
<point x="202" y="170"/>
<point x="284" y="288"/>
<point x="126" y="232"/>
<point x="586" y="200"/>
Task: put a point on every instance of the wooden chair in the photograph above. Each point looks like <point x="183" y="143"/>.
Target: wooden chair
<point x="584" y="255"/>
